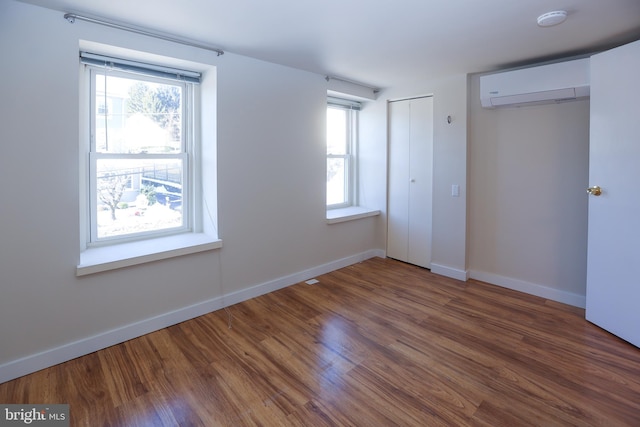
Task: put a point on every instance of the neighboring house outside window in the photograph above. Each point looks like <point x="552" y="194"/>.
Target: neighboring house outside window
<point x="342" y="131"/>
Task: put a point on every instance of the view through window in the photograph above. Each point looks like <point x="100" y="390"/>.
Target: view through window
<point x="341" y="127"/>
<point x="138" y="160"/>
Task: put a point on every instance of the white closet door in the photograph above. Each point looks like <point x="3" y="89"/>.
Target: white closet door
<point x="420" y="181"/>
<point x="410" y="180"/>
<point x="398" y="187"/>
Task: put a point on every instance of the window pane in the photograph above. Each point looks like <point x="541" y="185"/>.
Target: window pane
<point x="137" y="116"/>
<point x="336" y="131"/>
<point x="336" y="181"/>
<point x="138" y="195"/>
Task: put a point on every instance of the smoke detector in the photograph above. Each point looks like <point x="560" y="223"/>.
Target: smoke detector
<point x="550" y="19"/>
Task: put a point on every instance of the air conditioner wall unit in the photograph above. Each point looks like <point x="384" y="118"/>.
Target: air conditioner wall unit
<point x="562" y="81"/>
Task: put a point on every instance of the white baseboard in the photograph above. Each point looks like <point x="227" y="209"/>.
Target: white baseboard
<point x="564" y="297"/>
<point x="454" y="273"/>
<point x="36" y="362"/>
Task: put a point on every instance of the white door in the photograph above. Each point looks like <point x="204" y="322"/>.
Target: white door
<point x="613" y="282"/>
<point x="410" y="180"/>
<point x="398" y="185"/>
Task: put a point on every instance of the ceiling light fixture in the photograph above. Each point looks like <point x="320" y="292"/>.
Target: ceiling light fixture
<point x="550" y="19"/>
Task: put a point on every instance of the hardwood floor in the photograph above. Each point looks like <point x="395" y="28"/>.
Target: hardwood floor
<point x="379" y="343"/>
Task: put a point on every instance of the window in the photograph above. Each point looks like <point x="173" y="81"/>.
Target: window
<point x="342" y="128"/>
<point x="140" y="165"/>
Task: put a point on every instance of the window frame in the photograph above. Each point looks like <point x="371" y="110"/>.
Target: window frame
<point x="351" y="110"/>
<point x="205" y="235"/>
<point x="188" y="153"/>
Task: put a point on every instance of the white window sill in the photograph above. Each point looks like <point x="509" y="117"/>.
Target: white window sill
<point x="349" y="214"/>
<point x="95" y="260"/>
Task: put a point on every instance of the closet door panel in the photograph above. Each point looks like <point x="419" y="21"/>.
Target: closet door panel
<point x="398" y="185"/>
<point x="420" y="182"/>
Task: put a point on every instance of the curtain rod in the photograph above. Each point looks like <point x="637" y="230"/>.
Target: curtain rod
<point x="72" y="17"/>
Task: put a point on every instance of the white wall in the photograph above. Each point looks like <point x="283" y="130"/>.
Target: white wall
<point x="528" y="172"/>
<point x="449" y="168"/>
<point x="271" y="194"/>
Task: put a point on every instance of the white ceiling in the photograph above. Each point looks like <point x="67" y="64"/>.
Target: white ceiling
<point x="381" y="43"/>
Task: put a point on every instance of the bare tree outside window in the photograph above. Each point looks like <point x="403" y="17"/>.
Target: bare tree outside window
<point x="111" y="186"/>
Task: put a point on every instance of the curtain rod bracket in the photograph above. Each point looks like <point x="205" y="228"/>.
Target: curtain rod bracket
<point x="72" y="17"/>
<point x="374" y="89"/>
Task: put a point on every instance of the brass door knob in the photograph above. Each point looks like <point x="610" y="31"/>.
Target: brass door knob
<point x="594" y="191"/>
